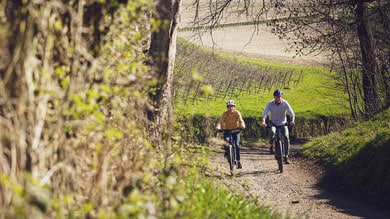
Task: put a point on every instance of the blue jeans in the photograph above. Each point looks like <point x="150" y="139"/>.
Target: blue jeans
<point x="236" y="138"/>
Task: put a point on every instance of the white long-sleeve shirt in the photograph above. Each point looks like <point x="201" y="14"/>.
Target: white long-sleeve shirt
<point x="278" y="112"/>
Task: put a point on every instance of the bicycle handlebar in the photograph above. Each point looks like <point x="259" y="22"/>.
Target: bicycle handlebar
<point x="230" y="130"/>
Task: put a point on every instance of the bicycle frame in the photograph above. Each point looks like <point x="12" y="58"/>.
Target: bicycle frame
<point x="232" y="150"/>
<point x="279" y="142"/>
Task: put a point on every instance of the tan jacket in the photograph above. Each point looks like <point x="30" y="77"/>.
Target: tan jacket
<point x="231" y="120"/>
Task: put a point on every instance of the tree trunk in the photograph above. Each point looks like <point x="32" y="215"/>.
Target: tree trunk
<point x="163" y="50"/>
<point x="372" y="102"/>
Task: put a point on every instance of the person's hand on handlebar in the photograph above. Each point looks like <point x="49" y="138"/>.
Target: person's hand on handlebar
<point x="263" y="125"/>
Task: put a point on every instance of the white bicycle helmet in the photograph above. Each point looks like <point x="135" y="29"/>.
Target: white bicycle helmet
<point x="230" y="103"/>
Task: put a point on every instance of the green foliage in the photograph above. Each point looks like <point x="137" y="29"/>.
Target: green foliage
<point x="31" y="199"/>
<point x="80" y="136"/>
<point x="360" y="155"/>
<point x="207" y="199"/>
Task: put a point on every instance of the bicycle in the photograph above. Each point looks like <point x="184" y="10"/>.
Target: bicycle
<point x="280" y="147"/>
<point x="231" y="148"/>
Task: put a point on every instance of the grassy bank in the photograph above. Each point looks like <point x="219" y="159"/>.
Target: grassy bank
<point x="360" y="155"/>
<point x="206" y="198"/>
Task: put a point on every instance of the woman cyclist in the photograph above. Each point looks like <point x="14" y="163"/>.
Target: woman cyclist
<point x="232" y="119"/>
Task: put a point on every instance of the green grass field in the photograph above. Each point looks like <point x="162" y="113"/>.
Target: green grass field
<point x="312" y="92"/>
<point x="359" y="155"/>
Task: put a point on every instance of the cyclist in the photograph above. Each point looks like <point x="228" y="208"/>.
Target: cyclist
<point x="232" y="119"/>
<point x="278" y="108"/>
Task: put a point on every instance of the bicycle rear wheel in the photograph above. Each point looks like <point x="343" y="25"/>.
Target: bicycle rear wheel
<point x="279" y="154"/>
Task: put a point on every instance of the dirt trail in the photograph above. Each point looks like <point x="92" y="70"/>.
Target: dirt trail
<point x="296" y="192"/>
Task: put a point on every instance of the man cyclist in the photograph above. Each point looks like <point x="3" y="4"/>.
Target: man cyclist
<point x="232" y="119"/>
<point x="278" y="108"/>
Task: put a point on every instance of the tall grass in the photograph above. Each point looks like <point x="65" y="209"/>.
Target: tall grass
<point x="207" y="198"/>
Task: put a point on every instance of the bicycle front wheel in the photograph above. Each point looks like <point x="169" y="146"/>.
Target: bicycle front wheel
<point x="231" y="158"/>
<point x="234" y="163"/>
<point x="279" y="154"/>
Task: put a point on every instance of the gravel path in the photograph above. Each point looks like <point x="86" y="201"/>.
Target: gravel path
<point x="298" y="192"/>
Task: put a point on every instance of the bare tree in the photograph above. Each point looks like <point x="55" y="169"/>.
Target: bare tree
<point x="345" y="29"/>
